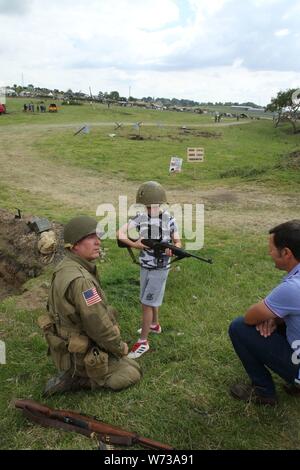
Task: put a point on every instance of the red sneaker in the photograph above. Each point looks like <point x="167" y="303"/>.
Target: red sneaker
<point x="138" y="349"/>
<point x="153" y="329"/>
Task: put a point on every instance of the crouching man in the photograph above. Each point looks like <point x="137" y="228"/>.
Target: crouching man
<point x="268" y="337"/>
<point x="80" y="328"/>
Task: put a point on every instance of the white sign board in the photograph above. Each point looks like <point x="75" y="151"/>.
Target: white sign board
<point x="175" y="165"/>
<point x="2" y="353"/>
<point x="195" y="154"/>
<point x="2" y="95"/>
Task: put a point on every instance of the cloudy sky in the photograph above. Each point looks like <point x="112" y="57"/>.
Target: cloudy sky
<point x="206" y="50"/>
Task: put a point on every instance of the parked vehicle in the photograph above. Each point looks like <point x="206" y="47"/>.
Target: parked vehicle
<point x="52" y="108"/>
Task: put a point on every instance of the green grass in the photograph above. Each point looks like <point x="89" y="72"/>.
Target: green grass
<point x="183" y="397"/>
<point x="238" y="155"/>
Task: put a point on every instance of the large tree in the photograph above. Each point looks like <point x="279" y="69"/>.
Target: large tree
<point x="286" y="105"/>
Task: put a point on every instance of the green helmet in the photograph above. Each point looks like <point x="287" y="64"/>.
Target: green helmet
<point x="151" y="192"/>
<point x="78" y="228"/>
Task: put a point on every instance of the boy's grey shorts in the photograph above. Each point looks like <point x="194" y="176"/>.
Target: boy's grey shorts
<point x="153" y="284"/>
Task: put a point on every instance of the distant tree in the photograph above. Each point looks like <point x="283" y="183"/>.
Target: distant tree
<point x="286" y="107"/>
<point x="148" y="99"/>
<point x="114" y="95"/>
<point x="17" y="88"/>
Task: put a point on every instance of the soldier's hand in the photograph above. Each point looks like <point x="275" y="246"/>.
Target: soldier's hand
<point x="125" y="349"/>
<point x="116" y="329"/>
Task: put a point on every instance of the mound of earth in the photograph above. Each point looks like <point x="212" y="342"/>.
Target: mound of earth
<point x="20" y="258"/>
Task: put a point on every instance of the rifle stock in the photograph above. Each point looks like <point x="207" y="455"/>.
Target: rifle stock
<point x="86" y="425"/>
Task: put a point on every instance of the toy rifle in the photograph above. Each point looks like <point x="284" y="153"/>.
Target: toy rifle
<point x="82" y="424"/>
<point x="159" y="247"/>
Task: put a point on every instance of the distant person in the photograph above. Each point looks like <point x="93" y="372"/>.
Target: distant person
<point x="25" y="107"/>
<point x="81" y="328"/>
<point x="155" y="224"/>
<point x="268" y="337"/>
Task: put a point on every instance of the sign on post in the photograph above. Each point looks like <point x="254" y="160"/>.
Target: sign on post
<point x="175" y="165"/>
<point x="195" y="154"/>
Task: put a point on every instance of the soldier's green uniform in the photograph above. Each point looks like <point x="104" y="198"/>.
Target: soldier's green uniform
<point x="82" y="332"/>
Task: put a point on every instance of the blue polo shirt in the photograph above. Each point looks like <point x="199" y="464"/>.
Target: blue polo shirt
<point x="284" y="301"/>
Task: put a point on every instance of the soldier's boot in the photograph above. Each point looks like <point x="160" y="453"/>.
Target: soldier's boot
<point x="64" y="382"/>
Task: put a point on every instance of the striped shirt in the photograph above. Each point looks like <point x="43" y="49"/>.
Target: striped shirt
<point x="156" y="228"/>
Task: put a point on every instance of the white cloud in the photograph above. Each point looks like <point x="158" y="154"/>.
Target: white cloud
<point x="154" y="44"/>
<point x="282" y="32"/>
<point x="14" y="7"/>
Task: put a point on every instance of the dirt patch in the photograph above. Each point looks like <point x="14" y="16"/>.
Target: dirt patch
<point x="20" y="256"/>
<point x="137" y="137"/>
<point x="35" y="298"/>
<point x="222" y="197"/>
<point x="293" y="159"/>
<point x="196" y="133"/>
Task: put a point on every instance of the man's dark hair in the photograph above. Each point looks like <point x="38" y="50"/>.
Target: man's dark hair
<point x="287" y="235"/>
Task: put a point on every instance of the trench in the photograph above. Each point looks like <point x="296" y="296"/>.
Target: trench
<point x="13" y="275"/>
<point x="20" y="257"/>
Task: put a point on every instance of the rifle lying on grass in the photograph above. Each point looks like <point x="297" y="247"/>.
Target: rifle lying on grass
<point x="82" y="424"/>
<point x="159" y="247"/>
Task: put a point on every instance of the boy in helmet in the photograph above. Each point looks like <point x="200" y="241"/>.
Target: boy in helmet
<point x="155" y="224"/>
<point x="80" y="328"/>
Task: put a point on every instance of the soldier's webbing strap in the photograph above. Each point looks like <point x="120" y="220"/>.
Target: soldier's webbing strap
<point x="46" y="422"/>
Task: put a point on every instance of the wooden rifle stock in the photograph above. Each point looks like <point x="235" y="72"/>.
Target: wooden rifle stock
<point x="72" y="421"/>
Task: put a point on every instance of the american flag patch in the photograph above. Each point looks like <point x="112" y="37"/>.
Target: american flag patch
<point x="91" y="296"/>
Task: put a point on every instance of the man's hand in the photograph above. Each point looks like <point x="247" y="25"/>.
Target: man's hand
<point x="267" y="327"/>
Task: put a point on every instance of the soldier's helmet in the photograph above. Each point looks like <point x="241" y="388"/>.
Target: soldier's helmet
<point x="151" y="192"/>
<point x="78" y="228"/>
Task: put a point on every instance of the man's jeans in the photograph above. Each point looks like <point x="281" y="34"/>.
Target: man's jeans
<point x="257" y="352"/>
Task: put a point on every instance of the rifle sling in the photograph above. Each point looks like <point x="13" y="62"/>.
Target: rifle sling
<point x="46" y="422"/>
<point x="129" y="249"/>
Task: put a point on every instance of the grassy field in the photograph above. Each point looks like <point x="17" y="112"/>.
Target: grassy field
<point x="248" y="183"/>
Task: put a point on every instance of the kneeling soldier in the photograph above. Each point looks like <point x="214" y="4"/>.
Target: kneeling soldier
<point x="80" y="328"/>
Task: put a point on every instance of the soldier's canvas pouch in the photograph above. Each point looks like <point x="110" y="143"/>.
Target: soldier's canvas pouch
<point x="96" y="365"/>
<point x="45" y="322"/>
<point x="59" y="351"/>
<point x="78" y="343"/>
